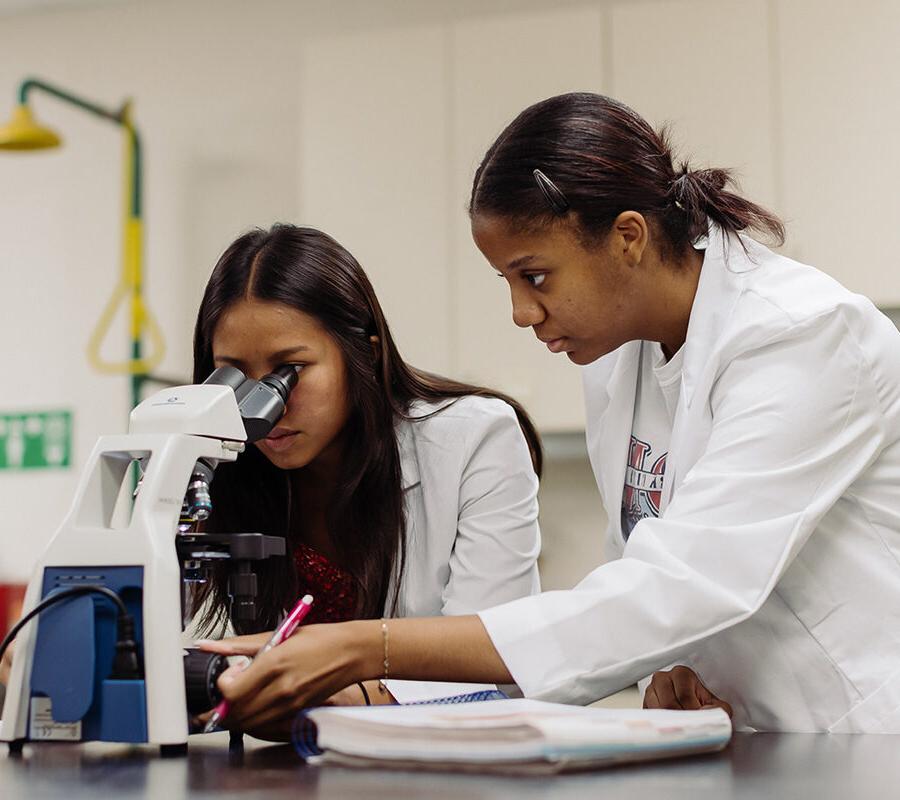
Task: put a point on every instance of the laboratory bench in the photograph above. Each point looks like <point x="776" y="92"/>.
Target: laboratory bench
<point x="781" y="766"/>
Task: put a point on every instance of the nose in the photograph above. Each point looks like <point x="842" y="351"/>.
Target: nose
<point x="526" y="311"/>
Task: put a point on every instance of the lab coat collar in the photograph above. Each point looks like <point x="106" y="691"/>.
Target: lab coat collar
<point x="409" y="458"/>
<point x="608" y="443"/>
<point x="720" y="286"/>
<point x="721" y="283"/>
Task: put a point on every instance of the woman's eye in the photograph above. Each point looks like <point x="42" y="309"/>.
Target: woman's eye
<point x="535" y="280"/>
<point x="292" y="364"/>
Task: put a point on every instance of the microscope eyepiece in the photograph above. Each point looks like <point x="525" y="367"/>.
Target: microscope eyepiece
<point x="227" y="376"/>
<point x="261" y="402"/>
<point x="282" y="380"/>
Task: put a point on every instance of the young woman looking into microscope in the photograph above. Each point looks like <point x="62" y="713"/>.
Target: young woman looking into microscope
<point x="400" y="493"/>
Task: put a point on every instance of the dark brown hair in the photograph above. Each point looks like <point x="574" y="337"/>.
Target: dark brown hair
<point x="606" y="159"/>
<point x="309" y="271"/>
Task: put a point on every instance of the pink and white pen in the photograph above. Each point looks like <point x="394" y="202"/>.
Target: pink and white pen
<point x="282" y="632"/>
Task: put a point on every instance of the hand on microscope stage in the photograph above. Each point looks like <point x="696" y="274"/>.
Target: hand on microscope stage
<point x="235" y="645"/>
<point x="307" y="669"/>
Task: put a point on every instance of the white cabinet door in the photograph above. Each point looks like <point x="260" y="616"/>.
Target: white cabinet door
<point x="374" y="171"/>
<point x="704" y="67"/>
<point x="500" y="66"/>
<point x="841" y="110"/>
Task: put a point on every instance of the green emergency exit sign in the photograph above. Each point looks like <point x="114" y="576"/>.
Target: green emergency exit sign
<point x="35" y="440"/>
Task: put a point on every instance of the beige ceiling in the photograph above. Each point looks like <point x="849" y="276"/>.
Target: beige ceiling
<point x="34" y="6"/>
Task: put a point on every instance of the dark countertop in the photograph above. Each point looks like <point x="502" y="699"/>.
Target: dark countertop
<point x="777" y="766"/>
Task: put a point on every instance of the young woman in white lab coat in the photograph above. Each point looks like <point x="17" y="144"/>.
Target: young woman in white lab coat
<point x="400" y="493"/>
<point x="743" y="423"/>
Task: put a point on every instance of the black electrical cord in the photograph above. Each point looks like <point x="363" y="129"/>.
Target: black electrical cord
<point x="126" y="662"/>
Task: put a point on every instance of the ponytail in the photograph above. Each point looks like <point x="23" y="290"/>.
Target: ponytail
<point x="700" y="195"/>
<point x="591" y="157"/>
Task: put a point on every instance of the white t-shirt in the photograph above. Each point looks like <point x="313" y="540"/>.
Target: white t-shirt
<point x="655" y="400"/>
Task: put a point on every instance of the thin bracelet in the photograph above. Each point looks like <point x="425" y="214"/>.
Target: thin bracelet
<point x="365" y="693"/>
<point x="384" y="639"/>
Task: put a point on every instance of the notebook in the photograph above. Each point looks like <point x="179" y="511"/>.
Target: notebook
<point x="507" y="736"/>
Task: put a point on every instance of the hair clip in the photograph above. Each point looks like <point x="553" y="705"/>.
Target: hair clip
<point x="552" y="194"/>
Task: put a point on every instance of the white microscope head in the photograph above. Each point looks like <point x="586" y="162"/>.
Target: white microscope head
<point x="228" y="405"/>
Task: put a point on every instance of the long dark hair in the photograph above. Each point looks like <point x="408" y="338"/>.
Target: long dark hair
<point x="309" y="271"/>
<point x="605" y="159"/>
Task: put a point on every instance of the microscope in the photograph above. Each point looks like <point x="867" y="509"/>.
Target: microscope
<point x="99" y="655"/>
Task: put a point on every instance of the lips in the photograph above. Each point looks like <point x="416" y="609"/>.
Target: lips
<point x="280" y="439"/>
<point x="554" y="345"/>
<point x="278" y="432"/>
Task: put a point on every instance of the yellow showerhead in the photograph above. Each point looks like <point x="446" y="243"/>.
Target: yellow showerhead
<point x="23" y="133"/>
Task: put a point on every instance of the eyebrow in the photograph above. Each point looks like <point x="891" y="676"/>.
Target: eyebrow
<point x="519" y="262"/>
<point x="281" y="354"/>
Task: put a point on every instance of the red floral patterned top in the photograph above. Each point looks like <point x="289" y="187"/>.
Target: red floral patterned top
<point x="333" y="589"/>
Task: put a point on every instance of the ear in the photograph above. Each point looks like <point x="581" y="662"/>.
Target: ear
<point x="376" y="348"/>
<point x="630" y="236"/>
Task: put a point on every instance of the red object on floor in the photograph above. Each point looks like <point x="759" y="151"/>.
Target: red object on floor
<point x="12" y="596"/>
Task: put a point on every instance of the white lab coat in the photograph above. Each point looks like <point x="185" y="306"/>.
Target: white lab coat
<point x="470" y="499"/>
<point x="774" y="567"/>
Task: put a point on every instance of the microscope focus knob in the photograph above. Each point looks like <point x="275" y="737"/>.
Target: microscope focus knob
<point x="201" y="671"/>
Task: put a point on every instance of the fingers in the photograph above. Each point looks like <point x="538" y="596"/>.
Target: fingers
<point x="690" y="684"/>
<point x="235" y="645"/>
<point x="235" y="667"/>
<point x="279" y="683"/>
<point x="676" y="688"/>
<point x="661" y="692"/>
<point x="680" y="688"/>
<point x="306" y="669"/>
<point x="650" y="698"/>
<point x="685" y="685"/>
<point x="709" y="700"/>
<point x="255" y="695"/>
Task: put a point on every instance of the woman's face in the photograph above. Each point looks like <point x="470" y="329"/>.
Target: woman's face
<point x="256" y="337"/>
<point x="581" y="302"/>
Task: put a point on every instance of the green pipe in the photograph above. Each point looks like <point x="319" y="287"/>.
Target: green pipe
<point x="137" y="380"/>
<point x="33" y="83"/>
<point x="137" y="171"/>
<point x="120" y="117"/>
<point x="117" y="116"/>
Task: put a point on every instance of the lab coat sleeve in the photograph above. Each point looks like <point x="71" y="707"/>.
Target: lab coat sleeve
<point x="494" y="557"/>
<point x="795" y="419"/>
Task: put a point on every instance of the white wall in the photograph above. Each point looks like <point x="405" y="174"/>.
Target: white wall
<point x="367" y="118"/>
<point x="219" y="121"/>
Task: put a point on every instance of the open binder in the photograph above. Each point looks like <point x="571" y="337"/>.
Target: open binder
<point x="520" y="736"/>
